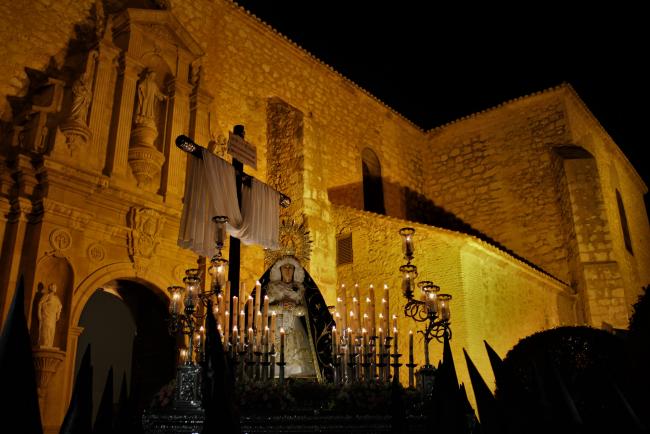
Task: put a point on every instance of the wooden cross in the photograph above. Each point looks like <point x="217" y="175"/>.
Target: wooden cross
<point x="239" y="148"/>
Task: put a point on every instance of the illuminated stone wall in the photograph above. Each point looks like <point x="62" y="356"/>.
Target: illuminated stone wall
<point x="76" y="214"/>
<point x="495" y="297"/>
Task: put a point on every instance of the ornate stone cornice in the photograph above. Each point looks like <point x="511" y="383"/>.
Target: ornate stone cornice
<point x="77" y="217"/>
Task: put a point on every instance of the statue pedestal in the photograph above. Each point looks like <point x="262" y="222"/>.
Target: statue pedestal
<point x="77" y="135"/>
<point x="46" y="362"/>
<point x="145" y="160"/>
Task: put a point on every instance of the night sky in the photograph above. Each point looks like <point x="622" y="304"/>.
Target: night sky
<point x="434" y="63"/>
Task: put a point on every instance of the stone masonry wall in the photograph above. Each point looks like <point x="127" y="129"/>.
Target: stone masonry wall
<point x="495" y="297"/>
<point x="32" y="33"/>
<point x="494" y="170"/>
<point x="616" y="173"/>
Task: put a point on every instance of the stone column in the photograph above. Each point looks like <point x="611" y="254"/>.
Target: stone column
<point x="17" y="222"/>
<point x="118" y="153"/>
<point x="173" y="174"/>
<point x="101" y="109"/>
<point x="199" y="117"/>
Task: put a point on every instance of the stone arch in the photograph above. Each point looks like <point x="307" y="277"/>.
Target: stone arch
<point x="118" y="270"/>
<point x="146" y="299"/>
<point x="373" y="189"/>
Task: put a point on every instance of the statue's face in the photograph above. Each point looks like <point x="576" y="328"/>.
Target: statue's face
<point x="287" y="273"/>
<point x="53" y="287"/>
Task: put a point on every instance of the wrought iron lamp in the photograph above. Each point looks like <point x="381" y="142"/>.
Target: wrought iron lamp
<point x="188" y="308"/>
<point x="431" y="307"/>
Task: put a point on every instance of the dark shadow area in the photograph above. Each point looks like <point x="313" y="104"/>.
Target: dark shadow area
<point x="154" y="350"/>
<point x="127" y="329"/>
<point x="407" y="204"/>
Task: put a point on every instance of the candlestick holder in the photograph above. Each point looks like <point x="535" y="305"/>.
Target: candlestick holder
<point x="396" y="364"/>
<point x="411" y="367"/>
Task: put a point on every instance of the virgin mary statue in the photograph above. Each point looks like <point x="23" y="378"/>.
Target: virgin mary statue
<point x="302" y="313"/>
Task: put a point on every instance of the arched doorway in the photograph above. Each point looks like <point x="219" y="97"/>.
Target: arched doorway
<point x="373" y="188"/>
<point x="124" y="321"/>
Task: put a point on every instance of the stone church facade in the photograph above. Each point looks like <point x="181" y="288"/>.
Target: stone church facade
<point x="527" y="213"/>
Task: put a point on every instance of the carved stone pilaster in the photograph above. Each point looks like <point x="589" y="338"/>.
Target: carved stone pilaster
<point x="101" y="109"/>
<point x="174" y="171"/>
<point x="117" y="163"/>
<point x="46" y="363"/>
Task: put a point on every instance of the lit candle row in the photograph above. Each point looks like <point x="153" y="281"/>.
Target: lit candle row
<point x="352" y="317"/>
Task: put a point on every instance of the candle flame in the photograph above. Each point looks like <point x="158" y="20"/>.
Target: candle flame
<point x="234" y="329"/>
<point x="257" y="283"/>
<point x="201" y="329"/>
<point x="368" y="300"/>
<point x="342" y="285"/>
<point x="281" y="330"/>
<point x="371" y="285"/>
<point x="338" y="299"/>
<point x="411" y="332"/>
<point x="385" y="286"/>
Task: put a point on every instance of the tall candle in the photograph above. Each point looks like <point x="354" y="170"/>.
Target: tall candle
<point x="258" y="327"/>
<point x="226" y="321"/>
<point x="242" y="290"/>
<point x="352" y="322"/>
<point x="411" y="347"/>
<point x="366" y="322"/>
<point x="235" y="336"/>
<point x="394" y="322"/>
<point x="265" y="312"/>
<point x="334" y="342"/>
<point x="344" y="309"/>
<point x="235" y="311"/>
<point x="249" y="310"/>
<point x="258" y="297"/>
<point x="250" y="337"/>
<point x="357" y="307"/>
<point x="221" y="308"/>
<point x="372" y="313"/>
<point x="281" y="345"/>
<point x="273" y="321"/>
<point x="387" y="305"/>
<point x="242" y="320"/>
<point x="226" y="301"/>
<point x="395" y="347"/>
<point x="357" y="314"/>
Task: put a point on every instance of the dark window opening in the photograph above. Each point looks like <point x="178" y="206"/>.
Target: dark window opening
<point x="626" y="230"/>
<point x="344" y="253"/>
<point x="373" y="188"/>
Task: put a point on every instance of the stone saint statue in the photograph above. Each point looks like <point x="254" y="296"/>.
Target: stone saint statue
<point x="49" y="312"/>
<point x="148" y="95"/>
<point x="302" y="313"/>
<point x="81" y="96"/>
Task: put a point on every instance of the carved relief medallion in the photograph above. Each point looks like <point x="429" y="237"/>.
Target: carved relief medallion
<point x="96" y="252"/>
<point x="60" y="240"/>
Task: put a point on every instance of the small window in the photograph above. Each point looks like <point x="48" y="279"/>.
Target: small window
<point x="344" y="250"/>
<point x="373" y="189"/>
<point x="624" y="226"/>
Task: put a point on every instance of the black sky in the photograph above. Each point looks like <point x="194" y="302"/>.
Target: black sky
<point x="434" y="63"/>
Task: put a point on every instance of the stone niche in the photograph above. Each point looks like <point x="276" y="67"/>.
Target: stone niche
<point x="159" y="72"/>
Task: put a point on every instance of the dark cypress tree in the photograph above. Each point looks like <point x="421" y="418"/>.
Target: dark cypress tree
<point x="19" y="397"/>
<point x="104" y="419"/>
<point x="218" y="384"/>
<point x="485" y="401"/>
<point x="78" y="419"/>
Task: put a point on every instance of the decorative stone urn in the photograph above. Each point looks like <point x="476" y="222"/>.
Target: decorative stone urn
<point x="145" y="160"/>
<point x="46" y="362"/>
